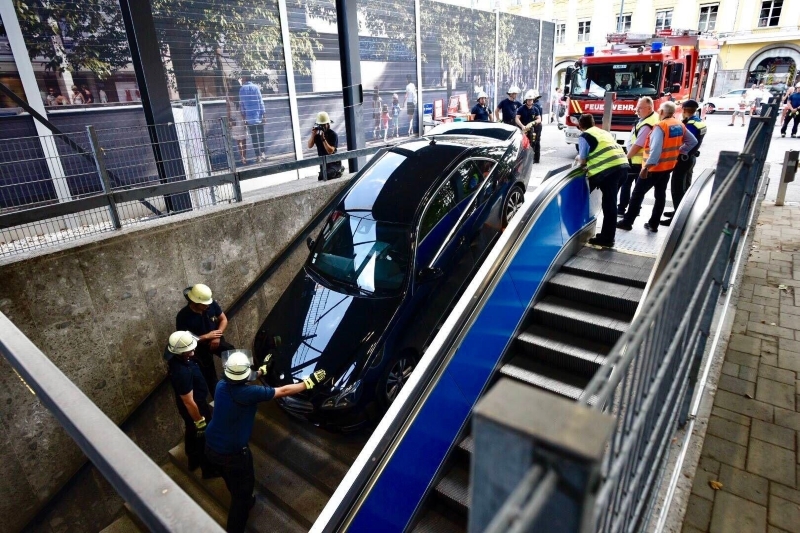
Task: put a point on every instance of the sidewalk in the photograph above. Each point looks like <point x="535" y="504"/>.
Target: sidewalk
<point x="748" y="478"/>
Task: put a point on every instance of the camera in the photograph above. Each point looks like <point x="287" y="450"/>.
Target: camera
<point x="319" y="129"/>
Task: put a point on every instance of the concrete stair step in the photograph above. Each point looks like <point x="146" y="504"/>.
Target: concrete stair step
<point x="197" y="492"/>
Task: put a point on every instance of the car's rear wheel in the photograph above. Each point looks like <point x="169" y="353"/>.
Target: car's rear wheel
<point x="514" y="200"/>
<point x="711" y="109"/>
<point x="395" y="377"/>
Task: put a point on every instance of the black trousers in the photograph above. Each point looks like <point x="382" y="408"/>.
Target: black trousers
<point x="607" y="183"/>
<point x="657" y="181"/>
<point x="205" y="360"/>
<point x="625" y="184"/>
<point x="237" y="471"/>
<point x="537" y="142"/>
<point x="193" y="444"/>
<point x="257" y="138"/>
<point x="791" y="116"/>
<point x="681" y="180"/>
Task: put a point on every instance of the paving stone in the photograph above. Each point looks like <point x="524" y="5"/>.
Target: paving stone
<point x="765" y="301"/>
<point x="777" y="374"/>
<point x="737" y="386"/>
<point x="742" y="359"/>
<point x="769" y="359"/>
<point x="725" y="451"/>
<point x="769" y="329"/>
<point x="698" y="512"/>
<point x="766" y="292"/>
<point x="690" y="529"/>
<point x="769" y="347"/>
<point x="784" y="514"/>
<point x="773" y="529"/>
<point x="789" y="345"/>
<point x="730" y="369"/>
<point x="747" y="373"/>
<point x="758" y="273"/>
<point x="741" y="483"/>
<point x="782" y="491"/>
<point x="745" y="344"/>
<point x="789" y="361"/>
<point x="700" y="484"/>
<point x="771" y="462"/>
<point x="787" y="419"/>
<point x="775" y="393"/>
<point x="728" y="430"/>
<point x="730" y="415"/>
<point x="790" y="321"/>
<point x="789" y="309"/>
<point x="708" y="464"/>
<point x="753" y="308"/>
<point x="734" y="514"/>
<point x="744" y="406"/>
<point x="774" y="434"/>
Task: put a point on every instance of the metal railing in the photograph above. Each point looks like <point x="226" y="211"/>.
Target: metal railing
<point x="62" y="187"/>
<point x="649" y="376"/>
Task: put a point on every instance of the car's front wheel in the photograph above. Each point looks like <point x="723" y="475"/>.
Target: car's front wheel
<point x="514" y="200"/>
<point x="395" y="377"/>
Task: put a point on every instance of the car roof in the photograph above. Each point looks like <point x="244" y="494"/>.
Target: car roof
<point x="476" y="130"/>
<point x="392" y="187"/>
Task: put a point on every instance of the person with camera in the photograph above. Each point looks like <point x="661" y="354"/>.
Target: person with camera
<point x="326" y="140"/>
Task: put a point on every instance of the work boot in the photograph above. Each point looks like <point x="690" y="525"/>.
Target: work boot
<point x="666" y="222"/>
<point x="624" y="225"/>
<point x="669" y="214"/>
<point x="597" y="240"/>
<point x="652" y="229"/>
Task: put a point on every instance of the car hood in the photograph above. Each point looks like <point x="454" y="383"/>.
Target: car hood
<point x="323" y="328"/>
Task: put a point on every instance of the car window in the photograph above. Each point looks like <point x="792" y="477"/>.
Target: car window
<point x="467" y="180"/>
<point x="439" y="206"/>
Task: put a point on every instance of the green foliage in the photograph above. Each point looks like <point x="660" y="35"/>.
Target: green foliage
<point x="518" y="49"/>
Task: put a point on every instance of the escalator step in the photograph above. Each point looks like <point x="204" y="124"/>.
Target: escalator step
<point x="543" y="377"/>
<point x="586" y="321"/>
<point x="600" y="293"/>
<point x="609" y="265"/>
<point x="434" y="521"/>
<point x="454" y="488"/>
<point x="562" y="350"/>
<point x="467" y="444"/>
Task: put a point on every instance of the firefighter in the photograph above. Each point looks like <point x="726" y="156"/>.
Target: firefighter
<point x="639" y="134"/>
<point x="479" y="112"/>
<point x="792" y="112"/>
<point x="682" y="174"/>
<point x="228" y="433"/>
<point x="508" y="107"/>
<point x="529" y="120"/>
<point x="606" y="165"/>
<point x="662" y="149"/>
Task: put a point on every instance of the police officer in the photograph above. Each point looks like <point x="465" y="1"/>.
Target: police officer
<point x="682" y="174"/>
<point x="479" y="112"/>
<point x="228" y="434"/>
<point x="529" y="120"/>
<point x="508" y="107"/>
<point x="191" y="397"/>
<point x="792" y="112"/>
<point x="661" y="152"/>
<point x="606" y="165"/>
<point x="203" y="317"/>
<point x="639" y="134"/>
<point x="327" y="141"/>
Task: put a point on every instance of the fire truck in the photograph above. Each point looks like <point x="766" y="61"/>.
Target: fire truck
<point x="672" y="65"/>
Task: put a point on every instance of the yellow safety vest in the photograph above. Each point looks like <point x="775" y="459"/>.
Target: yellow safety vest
<point x="701" y="130"/>
<point x="608" y="154"/>
<point x="651" y="121"/>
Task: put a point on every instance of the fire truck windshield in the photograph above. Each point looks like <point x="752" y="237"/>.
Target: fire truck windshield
<point x="626" y="79"/>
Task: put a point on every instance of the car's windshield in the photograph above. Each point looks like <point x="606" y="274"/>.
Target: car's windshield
<point x="363" y="254"/>
<point x="626" y="79"/>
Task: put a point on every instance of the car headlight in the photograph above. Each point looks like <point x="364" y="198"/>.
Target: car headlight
<point x="347" y="398"/>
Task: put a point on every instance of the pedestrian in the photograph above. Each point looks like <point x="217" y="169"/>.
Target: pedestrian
<point x="754" y="99"/>
<point x="50" y="99"/>
<point x="555" y="101"/>
<point x="191" y="398"/>
<point x="204" y="318"/>
<point x="648" y="118"/>
<point x="479" y="112"/>
<point x="102" y="95"/>
<point x="238" y="129"/>
<point x="682" y="173"/>
<point x="77" y="96"/>
<point x="253" y="113"/>
<point x="228" y="434"/>
<point x="529" y="120"/>
<point x="395" y="112"/>
<point x="410" y="103"/>
<point x="606" y="165"/>
<point x="741" y="111"/>
<point x="785" y="102"/>
<point x="385" y="121"/>
<point x="377" y="106"/>
<point x="327" y="141"/>
<point x="792" y="112"/>
<point x="661" y="151"/>
<point x="507" y="109"/>
<point x="87" y="95"/>
<point x="61" y="99"/>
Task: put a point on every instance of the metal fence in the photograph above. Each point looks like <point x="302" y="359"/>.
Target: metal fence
<point x="649" y="377"/>
<point x="63" y="187"/>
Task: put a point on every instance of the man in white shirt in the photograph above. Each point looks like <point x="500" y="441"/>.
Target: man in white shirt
<point x="410" y="103"/>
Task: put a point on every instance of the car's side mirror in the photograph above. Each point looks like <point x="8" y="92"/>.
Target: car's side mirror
<point x="310" y="243"/>
<point x="429" y="274"/>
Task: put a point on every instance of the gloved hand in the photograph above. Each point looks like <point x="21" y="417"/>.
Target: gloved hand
<point x="200" y="425"/>
<point x="265" y="366"/>
<point x="314" y="379"/>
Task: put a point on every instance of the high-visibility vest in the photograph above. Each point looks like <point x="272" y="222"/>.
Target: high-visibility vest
<point x="650" y="120"/>
<point x="700" y="126"/>
<point x="673" y="139"/>
<point x="607" y="154"/>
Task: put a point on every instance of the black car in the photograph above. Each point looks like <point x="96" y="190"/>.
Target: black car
<point x="388" y="265"/>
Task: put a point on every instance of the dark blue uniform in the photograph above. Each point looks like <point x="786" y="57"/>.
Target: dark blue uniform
<point x="794" y="100"/>
<point x="186" y="377"/>
<point x="526" y="116"/>
<point x="200" y="324"/>
<point x="509" y="110"/>
<point x="480" y="112"/>
<point x="235" y="406"/>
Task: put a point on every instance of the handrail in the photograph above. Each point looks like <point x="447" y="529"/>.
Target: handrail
<point x="395" y="422"/>
<point x="155" y="498"/>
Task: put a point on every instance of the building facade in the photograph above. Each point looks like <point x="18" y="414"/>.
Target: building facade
<point x="759" y="39"/>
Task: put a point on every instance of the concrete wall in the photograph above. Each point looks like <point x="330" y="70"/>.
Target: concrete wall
<point x="102" y="311"/>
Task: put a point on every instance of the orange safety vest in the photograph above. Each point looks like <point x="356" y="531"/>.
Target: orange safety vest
<point x="673" y="130"/>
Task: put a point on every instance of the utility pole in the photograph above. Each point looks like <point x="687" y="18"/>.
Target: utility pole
<point x="620" y="27"/>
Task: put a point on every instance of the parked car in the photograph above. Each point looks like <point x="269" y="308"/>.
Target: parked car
<point x="726" y="102"/>
<point x="388" y="265"/>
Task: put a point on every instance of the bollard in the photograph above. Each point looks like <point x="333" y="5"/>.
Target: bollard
<point x="787" y="174"/>
<point x="608" y="110"/>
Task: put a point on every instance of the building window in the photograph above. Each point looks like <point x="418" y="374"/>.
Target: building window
<point x="624" y="23"/>
<point x="584" y="30"/>
<point x="561" y="30"/>
<point x="708" y="17"/>
<point x="770" y="13"/>
<point x="663" y="20"/>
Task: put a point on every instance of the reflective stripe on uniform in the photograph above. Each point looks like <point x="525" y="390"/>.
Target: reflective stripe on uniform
<point x="607" y="154"/>
<point x="651" y="120"/>
<point x="669" y="146"/>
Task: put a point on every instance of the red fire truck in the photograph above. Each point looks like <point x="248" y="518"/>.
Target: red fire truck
<point x="670" y="65"/>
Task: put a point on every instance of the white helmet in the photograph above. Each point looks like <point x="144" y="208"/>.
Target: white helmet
<point x="513" y="90"/>
<point x="482" y="95"/>
<point x="323" y="118"/>
<point x="237" y="366"/>
<point x="181" y="342"/>
<point x="533" y="94"/>
<point x="199" y="294"/>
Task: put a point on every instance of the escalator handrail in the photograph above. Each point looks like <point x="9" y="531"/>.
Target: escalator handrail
<point x="378" y="449"/>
